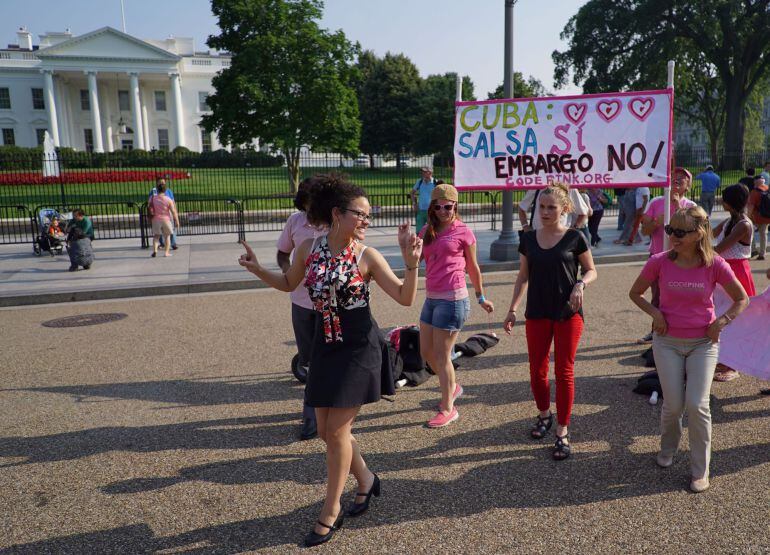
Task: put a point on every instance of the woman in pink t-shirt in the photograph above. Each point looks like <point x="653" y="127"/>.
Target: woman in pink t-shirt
<point x="449" y="250"/>
<point x="686" y="333"/>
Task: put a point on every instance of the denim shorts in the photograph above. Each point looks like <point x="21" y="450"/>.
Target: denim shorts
<point x="445" y="315"/>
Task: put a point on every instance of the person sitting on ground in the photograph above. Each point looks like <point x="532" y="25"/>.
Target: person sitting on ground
<point x="80" y="220"/>
<point x="79" y="249"/>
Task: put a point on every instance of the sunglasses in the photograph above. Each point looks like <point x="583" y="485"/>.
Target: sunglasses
<point x="678" y="233"/>
<point x="447" y="207"/>
<point x="362" y="216"/>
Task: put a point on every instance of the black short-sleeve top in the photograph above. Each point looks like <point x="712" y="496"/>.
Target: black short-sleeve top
<point x="552" y="274"/>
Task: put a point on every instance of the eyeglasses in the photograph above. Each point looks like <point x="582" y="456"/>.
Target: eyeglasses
<point x="362" y="216"/>
<point x="447" y="207"/>
<point x="678" y="233"/>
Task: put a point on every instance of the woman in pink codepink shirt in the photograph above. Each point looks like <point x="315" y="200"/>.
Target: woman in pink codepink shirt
<point x="449" y="250"/>
<point x="686" y="333"/>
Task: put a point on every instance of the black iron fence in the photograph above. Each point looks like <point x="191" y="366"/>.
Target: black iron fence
<point x="220" y="193"/>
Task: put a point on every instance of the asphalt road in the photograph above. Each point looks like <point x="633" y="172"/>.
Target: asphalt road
<point x="174" y="430"/>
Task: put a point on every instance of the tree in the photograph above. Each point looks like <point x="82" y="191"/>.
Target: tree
<point x="623" y="44"/>
<point x="433" y="126"/>
<point x="290" y="83"/>
<point x="387" y="104"/>
<point x="531" y="88"/>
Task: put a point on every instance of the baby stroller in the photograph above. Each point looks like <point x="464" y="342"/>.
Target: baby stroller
<point x="45" y="242"/>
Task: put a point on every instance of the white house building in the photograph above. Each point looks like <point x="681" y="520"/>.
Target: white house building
<point x="106" y="90"/>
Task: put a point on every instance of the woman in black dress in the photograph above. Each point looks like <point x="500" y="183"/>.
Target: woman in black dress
<point x="346" y="366"/>
<point x="549" y="266"/>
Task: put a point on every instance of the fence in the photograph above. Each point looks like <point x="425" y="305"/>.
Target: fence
<point x="215" y="192"/>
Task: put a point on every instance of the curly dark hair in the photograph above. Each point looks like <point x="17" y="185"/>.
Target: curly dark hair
<point x="329" y="191"/>
<point x="303" y="193"/>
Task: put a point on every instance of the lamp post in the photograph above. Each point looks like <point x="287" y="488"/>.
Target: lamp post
<point x="504" y="247"/>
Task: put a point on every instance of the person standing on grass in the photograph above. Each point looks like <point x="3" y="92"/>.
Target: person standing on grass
<point x="652" y="223"/>
<point x="347" y="369"/>
<point x="709" y="187"/>
<point x="449" y="250"/>
<point x="686" y="333"/>
<point x="421" y="197"/>
<point x="162" y="209"/>
<point x="169" y="194"/>
<point x="548" y="274"/>
<point x="758" y="215"/>
<point x="733" y="243"/>
<point x="296" y="231"/>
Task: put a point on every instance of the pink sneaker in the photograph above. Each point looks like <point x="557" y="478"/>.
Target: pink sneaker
<point x="455" y="396"/>
<point x="442" y="419"/>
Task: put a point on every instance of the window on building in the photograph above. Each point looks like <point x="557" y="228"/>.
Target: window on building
<point x="37" y="99"/>
<point x="40" y="134"/>
<point x="160" y="101"/>
<point x="124" y="104"/>
<point x="203" y="105"/>
<point x="85" y="102"/>
<point x="163" y="139"/>
<point x="205" y="141"/>
<point x="88" y="135"/>
<point x="127" y="144"/>
<point x="5" y="98"/>
<point x="9" y="137"/>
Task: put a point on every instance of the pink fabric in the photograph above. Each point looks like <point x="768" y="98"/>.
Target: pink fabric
<point x="161" y="208"/>
<point x="686" y="294"/>
<point x="743" y="343"/>
<point x="655" y="209"/>
<point x="296" y="231"/>
<point x="445" y="261"/>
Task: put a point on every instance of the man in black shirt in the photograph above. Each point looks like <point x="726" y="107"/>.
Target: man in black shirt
<point x="748" y="179"/>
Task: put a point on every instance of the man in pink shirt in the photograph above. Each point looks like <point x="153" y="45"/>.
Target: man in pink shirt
<point x="296" y="231"/>
<point x="652" y="223"/>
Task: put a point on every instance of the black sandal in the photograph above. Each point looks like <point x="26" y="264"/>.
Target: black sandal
<point x="542" y="426"/>
<point x="561" y="450"/>
<point x="314" y="538"/>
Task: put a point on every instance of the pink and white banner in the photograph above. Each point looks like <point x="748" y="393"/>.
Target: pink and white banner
<point x="595" y="140"/>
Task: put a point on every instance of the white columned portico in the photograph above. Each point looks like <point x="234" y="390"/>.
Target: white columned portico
<point x="176" y="92"/>
<point x="50" y="106"/>
<point x="96" y="119"/>
<point x="136" y="111"/>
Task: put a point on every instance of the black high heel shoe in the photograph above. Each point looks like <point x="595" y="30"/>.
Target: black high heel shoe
<point x="357" y="509"/>
<point x="317" y="539"/>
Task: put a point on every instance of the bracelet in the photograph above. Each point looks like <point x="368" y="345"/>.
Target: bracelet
<point x="726" y="317"/>
<point x="581" y="282"/>
<point x="512" y="310"/>
<point x="412" y="267"/>
<point x="481" y="299"/>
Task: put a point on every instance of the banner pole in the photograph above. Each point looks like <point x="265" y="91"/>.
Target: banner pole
<point x="667" y="194"/>
<point x="504" y="247"/>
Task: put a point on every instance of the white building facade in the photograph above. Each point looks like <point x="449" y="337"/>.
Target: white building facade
<point x="105" y="91"/>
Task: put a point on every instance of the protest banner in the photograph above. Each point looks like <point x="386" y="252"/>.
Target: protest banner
<point x="596" y="140"/>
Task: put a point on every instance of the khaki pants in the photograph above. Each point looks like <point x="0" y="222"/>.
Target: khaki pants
<point x="696" y="358"/>
<point x="762" y="238"/>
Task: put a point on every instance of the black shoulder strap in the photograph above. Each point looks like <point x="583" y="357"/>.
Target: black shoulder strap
<point x="532" y="208"/>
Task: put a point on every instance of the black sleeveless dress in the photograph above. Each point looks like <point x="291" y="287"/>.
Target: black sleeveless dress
<point x="346" y="362"/>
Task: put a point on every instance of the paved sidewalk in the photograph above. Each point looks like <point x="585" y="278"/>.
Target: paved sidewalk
<point x="202" y="264"/>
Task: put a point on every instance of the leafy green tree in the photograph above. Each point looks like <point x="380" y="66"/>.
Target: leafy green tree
<point x="530" y="88"/>
<point x="290" y="83"/>
<point x="433" y="126"/>
<point x="387" y="103"/>
<point x="623" y="44"/>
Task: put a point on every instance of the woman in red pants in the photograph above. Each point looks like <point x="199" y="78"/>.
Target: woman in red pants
<point x="548" y="273"/>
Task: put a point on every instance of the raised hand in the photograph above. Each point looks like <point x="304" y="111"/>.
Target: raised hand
<point x="249" y="260"/>
<point x="405" y="235"/>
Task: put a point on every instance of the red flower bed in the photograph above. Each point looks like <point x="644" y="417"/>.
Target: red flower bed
<point x="98" y="176"/>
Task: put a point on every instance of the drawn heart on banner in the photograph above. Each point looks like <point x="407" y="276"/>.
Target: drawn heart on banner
<point x="575" y="111"/>
<point x="608" y="109"/>
<point x="641" y="107"/>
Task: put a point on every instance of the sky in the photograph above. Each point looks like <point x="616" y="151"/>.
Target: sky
<point x="439" y="36"/>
